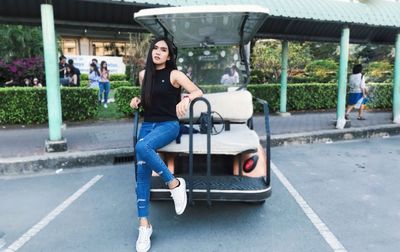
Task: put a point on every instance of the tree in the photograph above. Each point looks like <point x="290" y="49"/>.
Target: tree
<point x="266" y="59"/>
<point x="19" y="41"/>
<point x="137" y="51"/>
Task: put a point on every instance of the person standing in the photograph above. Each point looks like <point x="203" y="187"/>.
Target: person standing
<point x="94" y="76"/>
<point x="358" y="91"/>
<point x="227" y="78"/>
<point x="235" y="74"/>
<point x="104" y="82"/>
<point x="161" y="99"/>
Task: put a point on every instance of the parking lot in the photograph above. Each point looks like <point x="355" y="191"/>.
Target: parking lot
<point x="326" y="197"/>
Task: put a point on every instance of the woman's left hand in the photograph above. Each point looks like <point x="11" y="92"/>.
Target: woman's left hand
<point x="182" y="107"/>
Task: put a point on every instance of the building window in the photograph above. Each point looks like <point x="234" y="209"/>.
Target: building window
<point x="101" y="48"/>
<point x="69" y="46"/>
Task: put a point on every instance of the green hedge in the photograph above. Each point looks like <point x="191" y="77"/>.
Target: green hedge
<point x="310" y="96"/>
<point x="300" y="97"/>
<point x="29" y="105"/>
<point x="113" y="77"/>
<point x="123" y="96"/>
<point x="113" y="84"/>
<point x="316" y="96"/>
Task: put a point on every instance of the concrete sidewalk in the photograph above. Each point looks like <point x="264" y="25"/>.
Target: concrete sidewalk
<point x="22" y="148"/>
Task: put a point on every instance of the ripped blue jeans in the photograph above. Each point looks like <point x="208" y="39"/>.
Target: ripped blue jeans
<point x="152" y="136"/>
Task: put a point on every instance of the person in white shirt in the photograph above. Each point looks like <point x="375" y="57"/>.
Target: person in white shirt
<point x="358" y="92"/>
<point x="227" y="78"/>
<point x="235" y="74"/>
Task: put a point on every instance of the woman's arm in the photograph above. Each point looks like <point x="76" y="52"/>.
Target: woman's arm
<point x="136" y="100"/>
<point x="179" y="79"/>
<point x="74" y="79"/>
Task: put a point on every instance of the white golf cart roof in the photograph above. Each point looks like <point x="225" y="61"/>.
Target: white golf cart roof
<point x="202" y="26"/>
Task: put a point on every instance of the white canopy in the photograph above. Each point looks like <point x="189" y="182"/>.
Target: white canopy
<point x="197" y="26"/>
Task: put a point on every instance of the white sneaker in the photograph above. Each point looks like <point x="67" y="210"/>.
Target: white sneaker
<point x="143" y="242"/>
<point x="178" y="194"/>
<point x="105" y="105"/>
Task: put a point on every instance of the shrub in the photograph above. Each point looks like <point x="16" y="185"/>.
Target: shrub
<point x="84" y="77"/>
<point x="300" y="97"/>
<point x="113" y="77"/>
<point x="123" y="96"/>
<point x="20" y="69"/>
<point x="323" y="70"/>
<point x="379" y="72"/>
<point x="118" y="77"/>
<point x="117" y="84"/>
<point x="315" y="96"/>
<point x="113" y="84"/>
<point x="380" y="95"/>
<point x="29" y="105"/>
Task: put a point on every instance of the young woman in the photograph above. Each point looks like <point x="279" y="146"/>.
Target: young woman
<point x="72" y="76"/>
<point x="104" y="82"/>
<point x="358" y="90"/>
<point x="94" y="76"/>
<point x="161" y="98"/>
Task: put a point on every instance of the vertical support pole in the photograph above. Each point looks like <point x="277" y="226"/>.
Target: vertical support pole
<point x="344" y="58"/>
<point x="284" y="68"/>
<point x="55" y="141"/>
<point x="396" y="82"/>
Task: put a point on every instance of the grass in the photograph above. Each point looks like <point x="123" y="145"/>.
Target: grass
<point x="110" y="113"/>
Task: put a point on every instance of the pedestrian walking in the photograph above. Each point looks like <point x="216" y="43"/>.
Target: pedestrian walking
<point x="161" y="99"/>
<point x="104" y="83"/>
<point x="358" y="92"/>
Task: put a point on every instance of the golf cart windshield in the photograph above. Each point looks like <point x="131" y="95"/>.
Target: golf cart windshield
<point x="215" y="34"/>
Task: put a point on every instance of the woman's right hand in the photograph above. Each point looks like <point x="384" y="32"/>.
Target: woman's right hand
<point x="135" y="102"/>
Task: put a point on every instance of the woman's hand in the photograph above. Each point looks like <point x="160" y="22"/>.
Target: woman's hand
<point x="182" y="106"/>
<point x="135" y="102"/>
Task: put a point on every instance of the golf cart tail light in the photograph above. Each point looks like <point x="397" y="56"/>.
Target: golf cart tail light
<point x="250" y="164"/>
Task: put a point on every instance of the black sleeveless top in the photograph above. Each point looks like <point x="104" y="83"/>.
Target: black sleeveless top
<point x="164" y="98"/>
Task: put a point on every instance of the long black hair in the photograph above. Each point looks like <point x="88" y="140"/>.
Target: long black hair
<point x="357" y="69"/>
<point x="102" y="67"/>
<point x="95" y="69"/>
<point x="149" y="76"/>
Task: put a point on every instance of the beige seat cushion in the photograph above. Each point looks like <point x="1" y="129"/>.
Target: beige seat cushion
<point x="239" y="139"/>
<point x="235" y="106"/>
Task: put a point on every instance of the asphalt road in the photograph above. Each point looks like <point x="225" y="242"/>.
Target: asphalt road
<point x="350" y="186"/>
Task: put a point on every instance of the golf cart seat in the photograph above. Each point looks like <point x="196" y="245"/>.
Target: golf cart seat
<point x="235" y="108"/>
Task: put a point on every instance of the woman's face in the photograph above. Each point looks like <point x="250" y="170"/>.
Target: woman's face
<point x="160" y="53"/>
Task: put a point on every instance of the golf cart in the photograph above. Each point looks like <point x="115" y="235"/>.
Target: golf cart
<point x="231" y="164"/>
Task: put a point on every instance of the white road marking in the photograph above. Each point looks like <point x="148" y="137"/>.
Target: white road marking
<point x="51" y="216"/>
<point x="322" y="228"/>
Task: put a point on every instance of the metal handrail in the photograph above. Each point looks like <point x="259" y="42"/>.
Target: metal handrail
<point x="135" y="131"/>
<point x="268" y="138"/>
<point x="191" y="148"/>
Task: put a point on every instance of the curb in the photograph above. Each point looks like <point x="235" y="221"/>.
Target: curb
<point x="68" y="160"/>
<point x="328" y="136"/>
<point x="64" y="160"/>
